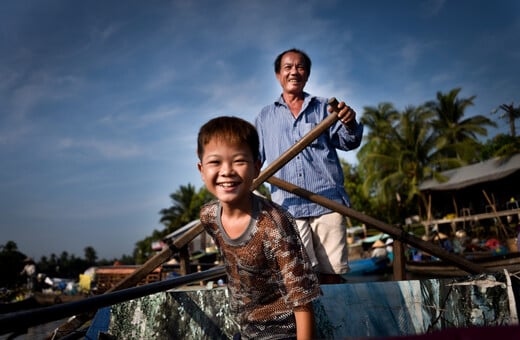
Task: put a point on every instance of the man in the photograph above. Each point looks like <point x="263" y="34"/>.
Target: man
<point x="29" y="270"/>
<point x="317" y="168"/>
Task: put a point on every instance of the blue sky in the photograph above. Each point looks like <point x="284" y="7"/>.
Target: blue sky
<point x="101" y="101"/>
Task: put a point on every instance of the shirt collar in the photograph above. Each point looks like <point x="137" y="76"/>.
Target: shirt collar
<point x="306" y="100"/>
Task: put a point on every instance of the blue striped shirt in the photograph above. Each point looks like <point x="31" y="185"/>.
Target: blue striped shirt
<point x="317" y="167"/>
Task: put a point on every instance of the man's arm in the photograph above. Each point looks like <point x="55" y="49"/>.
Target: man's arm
<point x="304" y="322"/>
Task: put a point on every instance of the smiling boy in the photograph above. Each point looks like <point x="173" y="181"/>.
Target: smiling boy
<point x="270" y="277"/>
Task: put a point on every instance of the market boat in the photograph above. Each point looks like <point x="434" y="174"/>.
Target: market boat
<point x="492" y="263"/>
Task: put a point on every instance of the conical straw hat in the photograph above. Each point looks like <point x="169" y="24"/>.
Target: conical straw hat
<point x="441" y="236"/>
<point x="378" y="244"/>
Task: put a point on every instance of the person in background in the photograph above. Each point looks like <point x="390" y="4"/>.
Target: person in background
<point x="460" y="242"/>
<point x="270" y="277"/>
<point x="317" y="168"/>
<point x="379" y="249"/>
<point x="29" y="270"/>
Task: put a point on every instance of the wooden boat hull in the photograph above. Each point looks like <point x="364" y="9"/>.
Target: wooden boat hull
<point x="43" y="299"/>
<point x="343" y="311"/>
<point x="510" y="262"/>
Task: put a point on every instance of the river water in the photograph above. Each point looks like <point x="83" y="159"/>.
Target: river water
<point x="39" y="332"/>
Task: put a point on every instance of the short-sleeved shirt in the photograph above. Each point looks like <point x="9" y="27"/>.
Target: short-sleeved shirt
<point x="317" y="168"/>
<point x="268" y="270"/>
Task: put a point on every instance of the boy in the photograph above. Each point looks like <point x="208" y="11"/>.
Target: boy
<point x="270" y="277"/>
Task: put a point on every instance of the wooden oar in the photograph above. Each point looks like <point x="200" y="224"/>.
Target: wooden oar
<point x="397" y="233"/>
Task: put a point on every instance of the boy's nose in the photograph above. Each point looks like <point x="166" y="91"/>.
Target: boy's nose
<point x="226" y="169"/>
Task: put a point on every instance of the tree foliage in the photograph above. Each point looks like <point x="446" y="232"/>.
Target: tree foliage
<point x="402" y="149"/>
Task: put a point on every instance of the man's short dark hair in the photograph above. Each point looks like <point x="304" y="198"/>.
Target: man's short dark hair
<point x="278" y="60"/>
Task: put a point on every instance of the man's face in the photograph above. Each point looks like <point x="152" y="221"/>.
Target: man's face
<point x="293" y="75"/>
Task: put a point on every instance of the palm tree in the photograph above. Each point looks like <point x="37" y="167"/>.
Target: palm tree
<point x="90" y="255"/>
<point x="502" y="145"/>
<point x="457" y="135"/>
<point x="408" y="156"/>
<point x="511" y="113"/>
<point x="186" y="207"/>
<point x="379" y="122"/>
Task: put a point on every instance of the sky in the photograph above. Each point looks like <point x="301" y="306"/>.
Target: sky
<point x="101" y="101"/>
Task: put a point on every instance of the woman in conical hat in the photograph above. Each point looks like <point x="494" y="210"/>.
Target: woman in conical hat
<point x="379" y="249"/>
<point x="440" y="236"/>
<point x="378" y="244"/>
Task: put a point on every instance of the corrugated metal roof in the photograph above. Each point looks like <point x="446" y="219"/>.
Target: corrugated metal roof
<point x="465" y="176"/>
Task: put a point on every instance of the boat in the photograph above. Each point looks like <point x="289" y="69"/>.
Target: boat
<point x="38" y="299"/>
<point x="369" y="266"/>
<point x="343" y="311"/>
<point x="49" y="299"/>
<point x="18" y="305"/>
<point x="492" y="263"/>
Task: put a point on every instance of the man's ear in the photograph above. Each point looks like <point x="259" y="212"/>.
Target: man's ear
<point x="279" y="77"/>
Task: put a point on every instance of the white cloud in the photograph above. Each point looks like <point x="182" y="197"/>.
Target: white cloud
<point x="108" y="149"/>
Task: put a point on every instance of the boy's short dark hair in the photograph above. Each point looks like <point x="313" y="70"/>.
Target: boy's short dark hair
<point x="278" y="60"/>
<point x="233" y="130"/>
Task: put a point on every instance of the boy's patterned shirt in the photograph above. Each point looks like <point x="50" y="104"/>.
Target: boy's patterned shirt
<point x="267" y="267"/>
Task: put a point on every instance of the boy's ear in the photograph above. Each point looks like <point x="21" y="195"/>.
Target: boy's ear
<point x="258" y="166"/>
<point x="199" y="166"/>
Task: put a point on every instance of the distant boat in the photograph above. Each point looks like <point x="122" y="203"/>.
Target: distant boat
<point x="16" y="306"/>
<point x="369" y="266"/>
<point x="49" y="299"/>
<point x="492" y="263"/>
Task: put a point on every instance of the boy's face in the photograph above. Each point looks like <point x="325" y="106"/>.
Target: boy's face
<point x="228" y="171"/>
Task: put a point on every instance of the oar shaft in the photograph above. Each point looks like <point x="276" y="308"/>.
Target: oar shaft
<point x="397" y="233"/>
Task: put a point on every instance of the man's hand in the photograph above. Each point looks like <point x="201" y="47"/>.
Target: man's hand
<point x="346" y="114"/>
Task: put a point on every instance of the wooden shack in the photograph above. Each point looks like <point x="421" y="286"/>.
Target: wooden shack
<point x="484" y="193"/>
<point x="108" y="276"/>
